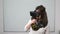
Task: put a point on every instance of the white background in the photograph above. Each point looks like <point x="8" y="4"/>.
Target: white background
<point x="16" y="13"/>
<point x="57" y="19"/>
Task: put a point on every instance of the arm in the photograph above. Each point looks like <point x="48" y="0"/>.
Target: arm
<point x="28" y="25"/>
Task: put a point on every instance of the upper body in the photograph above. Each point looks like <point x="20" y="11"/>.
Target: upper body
<point x="42" y="17"/>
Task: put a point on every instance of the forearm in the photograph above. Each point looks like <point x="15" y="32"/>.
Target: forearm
<point x="27" y="26"/>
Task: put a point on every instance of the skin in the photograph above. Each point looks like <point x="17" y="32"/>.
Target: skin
<point x="33" y="21"/>
<point x="28" y="25"/>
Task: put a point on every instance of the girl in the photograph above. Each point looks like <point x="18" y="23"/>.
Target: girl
<point x="43" y="17"/>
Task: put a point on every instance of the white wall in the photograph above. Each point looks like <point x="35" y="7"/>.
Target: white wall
<point x="57" y="24"/>
<point x="16" y="13"/>
<point x="57" y="20"/>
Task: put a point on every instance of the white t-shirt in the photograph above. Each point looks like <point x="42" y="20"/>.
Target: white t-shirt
<point x="40" y="31"/>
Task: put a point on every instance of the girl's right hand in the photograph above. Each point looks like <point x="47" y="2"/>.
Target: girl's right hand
<point x="33" y="21"/>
